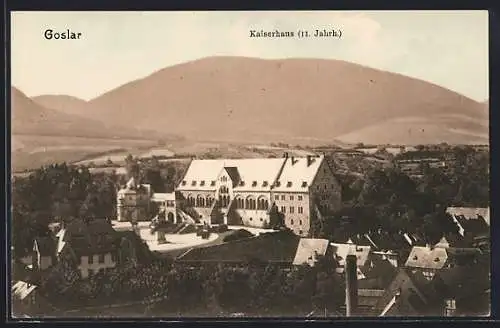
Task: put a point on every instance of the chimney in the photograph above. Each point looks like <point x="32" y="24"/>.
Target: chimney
<point x="351" y="283"/>
<point x="293" y="160"/>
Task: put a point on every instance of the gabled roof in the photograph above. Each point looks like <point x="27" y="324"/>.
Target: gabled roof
<point x="96" y="236"/>
<point x="308" y="250"/>
<point x="249" y="170"/>
<point x="46" y="246"/>
<point x="470" y="212"/>
<point x="22" y="289"/>
<point x="437" y="257"/>
<point x="297" y="174"/>
<point x="341" y="251"/>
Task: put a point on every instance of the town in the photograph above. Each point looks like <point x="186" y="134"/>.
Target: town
<point x="331" y="234"/>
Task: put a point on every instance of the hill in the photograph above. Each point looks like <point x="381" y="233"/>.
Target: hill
<point x="63" y="103"/>
<point x="294" y="100"/>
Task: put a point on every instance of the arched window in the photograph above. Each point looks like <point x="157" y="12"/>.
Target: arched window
<point x="266" y="204"/>
<point x="253" y="204"/>
<point x="208" y="201"/>
<point x="247" y="203"/>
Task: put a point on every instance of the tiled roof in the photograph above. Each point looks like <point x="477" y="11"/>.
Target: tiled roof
<point x="96" y="236"/>
<point x="297" y="175"/>
<point x="308" y="249"/>
<point x="341" y="251"/>
<point x="45" y="245"/>
<point x="437" y="257"/>
<point x="249" y="170"/>
<point x="22" y="289"/>
<point x="279" y="247"/>
<point x="470" y="212"/>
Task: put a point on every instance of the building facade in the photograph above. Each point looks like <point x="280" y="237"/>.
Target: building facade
<point x="243" y="191"/>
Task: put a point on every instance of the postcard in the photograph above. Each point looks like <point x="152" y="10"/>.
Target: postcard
<point x="249" y="164"/>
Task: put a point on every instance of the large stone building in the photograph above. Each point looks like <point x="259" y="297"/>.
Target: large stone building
<point x="243" y="191"/>
<point x="240" y="192"/>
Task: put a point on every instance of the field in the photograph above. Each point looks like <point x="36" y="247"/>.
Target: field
<point x="32" y="151"/>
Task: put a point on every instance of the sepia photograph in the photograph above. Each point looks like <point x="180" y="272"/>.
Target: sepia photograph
<point x="249" y="164"/>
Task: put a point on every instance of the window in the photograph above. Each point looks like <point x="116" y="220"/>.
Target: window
<point x="299" y="197"/>
<point x="291" y="209"/>
<point x="291" y="197"/>
<point x="91" y="272"/>
<point x="193" y="183"/>
<point x="261" y="220"/>
<point x="300" y="222"/>
<point x="289" y="184"/>
<point x="101" y="258"/>
<point x="291" y="221"/>
<point x="300" y="232"/>
<point x="278" y="183"/>
<point x="450" y="307"/>
<point x="277" y="197"/>
<point x="265" y="184"/>
<point x="242" y="183"/>
<point x="254" y="184"/>
<point x="202" y="183"/>
<point x="251" y="219"/>
<point x="184" y="182"/>
<point x="91" y="259"/>
<point x="212" y="183"/>
<point x="304" y="184"/>
<point x="282" y="197"/>
<point x="283" y="209"/>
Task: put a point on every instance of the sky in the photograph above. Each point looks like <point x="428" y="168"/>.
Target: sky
<point x="448" y="48"/>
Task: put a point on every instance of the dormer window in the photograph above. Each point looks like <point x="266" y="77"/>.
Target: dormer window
<point x="415" y="258"/>
<point x="436" y="259"/>
<point x="289" y="184"/>
<point x="278" y="183"/>
<point x="254" y="184"/>
<point x="193" y="183"/>
<point x="304" y="184"/>
<point x="212" y="183"/>
<point x="184" y="182"/>
<point x="202" y="183"/>
<point x="242" y="183"/>
<point x="264" y="184"/>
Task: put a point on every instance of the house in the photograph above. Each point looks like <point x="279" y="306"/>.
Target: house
<point x="340" y="252"/>
<point x="472" y="222"/>
<point x="409" y="294"/>
<point x="429" y="260"/>
<point x="133" y="201"/>
<point x="465" y="290"/>
<point x="243" y="191"/>
<point x="309" y="250"/>
<point x="90" y="245"/>
<point x="24" y="292"/>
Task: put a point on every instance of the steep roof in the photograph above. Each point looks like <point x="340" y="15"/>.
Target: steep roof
<point x="279" y="247"/>
<point x="259" y="170"/>
<point x="342" y="250"/>
<point x="308" y="249"/>
<point x="96" y="236"/>
<point x="298" y="174"/>
<point x="46" y="246"/>
<point x="437" y="257"/>
<point x="22" y="289"/>
<point x="470" y="212"/>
